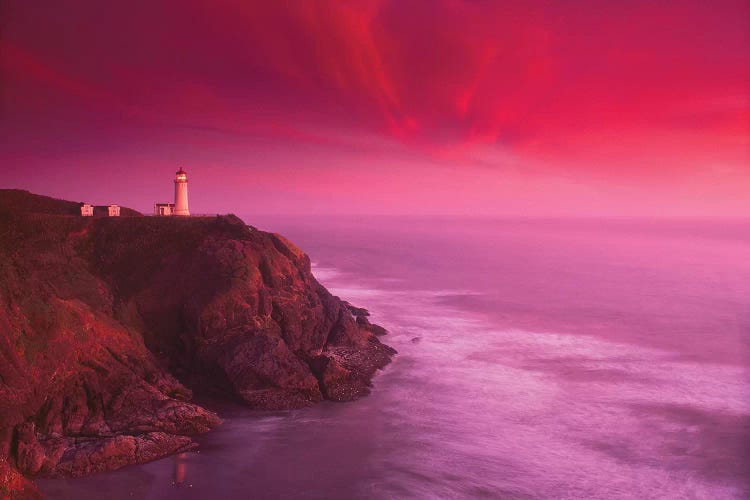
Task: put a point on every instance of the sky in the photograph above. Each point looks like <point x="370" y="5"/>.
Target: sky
<point x="324" y="107"/>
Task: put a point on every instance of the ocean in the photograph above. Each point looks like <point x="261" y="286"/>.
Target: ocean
<point x="538" y="358"/>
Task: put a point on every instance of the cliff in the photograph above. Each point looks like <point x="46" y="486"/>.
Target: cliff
<point x="106" y="324"/>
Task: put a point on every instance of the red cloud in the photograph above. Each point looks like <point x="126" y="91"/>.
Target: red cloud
<point x="443" y="77"/>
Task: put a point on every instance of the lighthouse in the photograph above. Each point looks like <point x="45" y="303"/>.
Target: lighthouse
<point x="180" y="194"/>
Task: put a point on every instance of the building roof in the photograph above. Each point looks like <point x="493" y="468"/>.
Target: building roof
<point x="180" y="172"/>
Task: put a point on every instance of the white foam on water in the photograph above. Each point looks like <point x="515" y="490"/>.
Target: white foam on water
<point x="515" y="413"/>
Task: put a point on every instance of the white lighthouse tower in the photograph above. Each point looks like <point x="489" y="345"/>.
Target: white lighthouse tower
<point x="180" y="194"/>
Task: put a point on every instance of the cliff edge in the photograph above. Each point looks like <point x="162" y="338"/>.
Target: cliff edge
<point x="108" y="324"/>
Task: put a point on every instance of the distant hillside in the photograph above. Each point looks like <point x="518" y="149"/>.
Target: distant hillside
<point x="22" y="201"/>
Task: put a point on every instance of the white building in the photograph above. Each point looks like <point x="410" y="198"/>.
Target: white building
<point x="114" y="210"/>
<point x="87" y="210"/>
<point x="163" y="208"/>
<point x="180" y="205"/>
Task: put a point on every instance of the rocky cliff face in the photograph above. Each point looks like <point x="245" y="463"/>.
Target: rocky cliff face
<point x="105" y="323"/>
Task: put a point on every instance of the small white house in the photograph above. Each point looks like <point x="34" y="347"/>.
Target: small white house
<point x="114" y="210"/>
<point x="87" y="210"/>
<point x="163" y="208"/>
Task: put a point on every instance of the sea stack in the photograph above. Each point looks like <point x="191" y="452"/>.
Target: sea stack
<point x="181" y="193"/>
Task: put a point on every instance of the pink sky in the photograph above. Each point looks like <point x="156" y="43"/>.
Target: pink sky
<point x="393" y="107"/>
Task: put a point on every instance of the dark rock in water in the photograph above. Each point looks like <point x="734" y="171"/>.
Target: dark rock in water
<point x="358" y="312"/>
<point x="106" y="322"/>
<point x="364" y="322"/>
<point x="376" y="329"/>
<point x="83" y="456"/>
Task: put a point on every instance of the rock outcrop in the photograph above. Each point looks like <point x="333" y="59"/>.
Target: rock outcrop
<point x="106" y="324"/>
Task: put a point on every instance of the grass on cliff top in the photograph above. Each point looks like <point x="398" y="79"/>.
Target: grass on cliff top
<point x="133" y="248"/>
